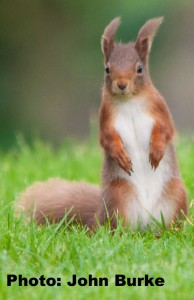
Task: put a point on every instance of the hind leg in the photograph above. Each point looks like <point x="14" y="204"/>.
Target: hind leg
<point x="173" y="202"/>
<point x="117" y="196"/>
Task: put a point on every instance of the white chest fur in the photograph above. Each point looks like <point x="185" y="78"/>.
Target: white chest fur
<point x="134" y="126"/>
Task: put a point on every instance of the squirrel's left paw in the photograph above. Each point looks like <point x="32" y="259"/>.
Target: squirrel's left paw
<point x="156" y="154"/>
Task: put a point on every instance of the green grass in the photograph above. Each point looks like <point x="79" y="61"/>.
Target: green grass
<point x="58" y="251"/>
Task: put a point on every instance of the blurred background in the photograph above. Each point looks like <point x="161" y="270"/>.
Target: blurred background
<point x="51" y="66"/>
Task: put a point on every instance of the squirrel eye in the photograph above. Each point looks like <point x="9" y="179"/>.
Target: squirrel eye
<point x="107" y="70"/>
<point x="139" y="69"/>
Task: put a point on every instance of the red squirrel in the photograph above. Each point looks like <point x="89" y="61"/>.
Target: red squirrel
<point x="140" y="177"/>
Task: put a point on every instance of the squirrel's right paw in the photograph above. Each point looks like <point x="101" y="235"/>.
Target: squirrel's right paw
<point x="124" y="162"/>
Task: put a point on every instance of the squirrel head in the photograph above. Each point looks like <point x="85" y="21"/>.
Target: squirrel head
<point x="126" y="65"/>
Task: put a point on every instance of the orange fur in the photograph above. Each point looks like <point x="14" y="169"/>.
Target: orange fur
<point x="110" y="140"/>
<point x="163" y="130"/>
<point x="117" y="194"/>
<point x="175" y="191"/>
<point x="55" y="198"/>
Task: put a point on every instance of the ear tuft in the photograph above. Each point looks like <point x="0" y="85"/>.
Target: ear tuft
<point x="145" y="37"/>
<point x="107" y="41"/>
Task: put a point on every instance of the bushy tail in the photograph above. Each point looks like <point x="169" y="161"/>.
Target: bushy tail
<point x="54" y="198"/>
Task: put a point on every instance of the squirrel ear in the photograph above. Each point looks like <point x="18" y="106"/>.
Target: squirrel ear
<point x="107" y="41"/>
<point x="145" y="37"/>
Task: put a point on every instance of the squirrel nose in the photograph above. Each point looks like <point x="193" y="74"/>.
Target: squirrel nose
<point x="122" y="86"/>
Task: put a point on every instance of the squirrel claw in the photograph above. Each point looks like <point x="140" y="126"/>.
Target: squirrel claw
<point x="129" y="173"/>
<point x="153" y="167"/>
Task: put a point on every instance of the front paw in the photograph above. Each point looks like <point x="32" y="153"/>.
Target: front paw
<point x="124" y="161"/>
<point x="156" y="154"/>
